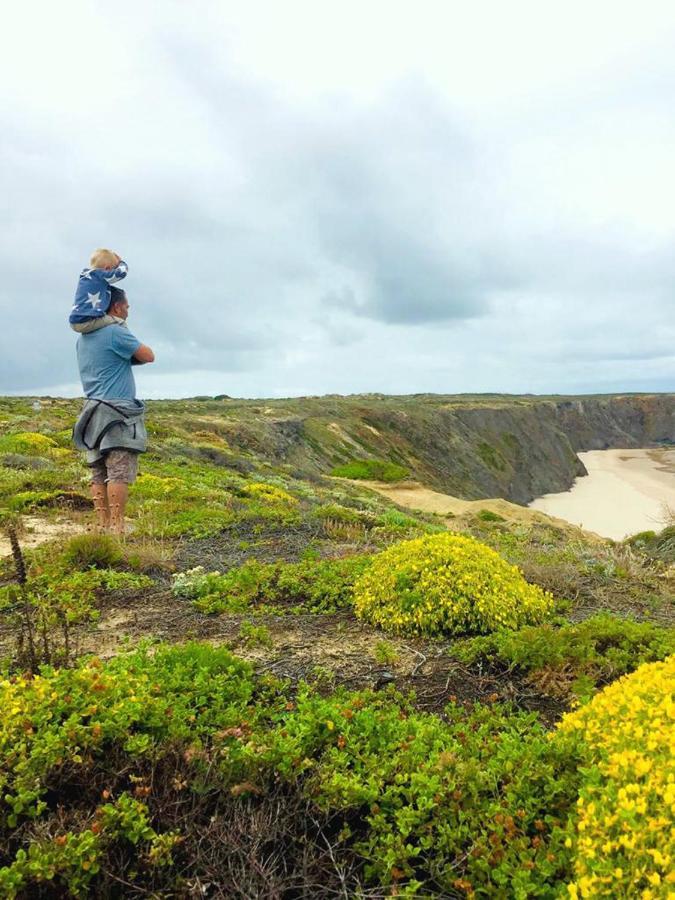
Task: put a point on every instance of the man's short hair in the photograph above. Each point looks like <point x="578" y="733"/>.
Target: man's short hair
<point x="117" y="295"/>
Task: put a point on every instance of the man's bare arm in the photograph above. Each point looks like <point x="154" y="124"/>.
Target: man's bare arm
<point x="143" y="355"/>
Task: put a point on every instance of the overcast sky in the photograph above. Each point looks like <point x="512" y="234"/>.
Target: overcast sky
<point x="337" y="197"/>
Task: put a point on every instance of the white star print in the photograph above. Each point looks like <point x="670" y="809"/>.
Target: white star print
<point x="94" y="299"/>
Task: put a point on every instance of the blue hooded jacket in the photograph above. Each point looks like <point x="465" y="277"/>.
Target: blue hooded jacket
<point x="92" y="297"/>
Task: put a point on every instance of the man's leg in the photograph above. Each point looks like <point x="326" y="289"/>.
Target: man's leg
<point x="100" y="497"/>
<point x="122" y="467"/>
<point x="118" y="492"/>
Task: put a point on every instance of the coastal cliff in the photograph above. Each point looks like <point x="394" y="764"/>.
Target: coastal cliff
<point x="470" y="446"/>
<point x="490" y="446"/>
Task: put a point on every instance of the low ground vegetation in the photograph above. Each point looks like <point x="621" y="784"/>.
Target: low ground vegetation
<point x="186" y="770"/>
<point x="371" y="469"/>
<point x="584" y="575"/>
<point x="658" y="545"/>
<point x="571" y="659"/>
<point x="481" y="801"/>
<point x="315" y="586"/>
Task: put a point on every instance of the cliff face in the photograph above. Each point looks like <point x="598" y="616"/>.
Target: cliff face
<point x="615" y="422"/>
<point x="538" y="442"/>
<point x="517" y="448"/>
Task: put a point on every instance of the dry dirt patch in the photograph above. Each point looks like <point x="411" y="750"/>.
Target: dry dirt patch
<point x="336" y="649"/>
<point x="413" y="495"/>
<point x="38" y="531"/>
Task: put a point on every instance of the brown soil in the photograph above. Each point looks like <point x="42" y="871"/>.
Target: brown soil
<point x="38" y="531"/>
<point x="330" y="650"/>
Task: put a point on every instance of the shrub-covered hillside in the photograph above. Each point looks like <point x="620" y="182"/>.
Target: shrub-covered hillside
<point x="281" y="685"/>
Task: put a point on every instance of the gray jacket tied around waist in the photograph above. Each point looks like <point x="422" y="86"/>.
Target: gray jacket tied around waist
<point x="110" y="425"/>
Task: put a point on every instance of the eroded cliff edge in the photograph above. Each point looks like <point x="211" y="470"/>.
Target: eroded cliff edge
<point x="513" y="447"/>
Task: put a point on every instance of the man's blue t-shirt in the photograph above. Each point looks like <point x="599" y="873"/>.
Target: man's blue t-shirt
<point x="104" y="358"/>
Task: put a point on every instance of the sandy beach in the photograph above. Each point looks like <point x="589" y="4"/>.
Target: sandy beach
<point x="625" y="491"/>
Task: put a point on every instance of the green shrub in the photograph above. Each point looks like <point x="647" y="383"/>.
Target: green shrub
<point x="217" y="592"/>
<point x="481" y="802"/>
<point x="50" y="721"/>
<point x="43" y="486"/>
<point x="346" y="523"/>
<point x="446" y="583"/>
<point x="371" y="470"/>
<point x="26" y="500"/>
<point x="85" y="722"/>
<point x="659" y="545"/>
<point x="264" y="512"/>
<point x="22" y="461"/>
<point x="255" y="635"/>
<point x="385" y="653"/>
<point x="491" y="456"/>
<point x="486" y="515"/>
<point x="112" y="580"/>
<point x="582" y="656"/>
<point x="394" y="518"/>
<point x="200" y="521"/>
<point x="310" y="585"/>
<point x="413" y="790"/>
<point x="642" y="538"/>
<point x="100" y="551"/>
<point x="393" y="524"/>
<point x="427" y="789"/>
<point x="75" y="859"/>
<point x="336" y="513"/>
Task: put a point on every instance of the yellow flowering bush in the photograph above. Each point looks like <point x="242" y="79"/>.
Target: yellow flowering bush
<point x="269" y="493"/>
<point x="29" y="443"/>
<point x="624" y="832"/>
<point x="158" y="486"/>
<point x="446" y="583"/>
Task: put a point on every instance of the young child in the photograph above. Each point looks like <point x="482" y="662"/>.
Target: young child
<point x="92" y="297"/>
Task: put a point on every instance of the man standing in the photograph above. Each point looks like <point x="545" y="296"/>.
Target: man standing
<point x="111" y="426"/>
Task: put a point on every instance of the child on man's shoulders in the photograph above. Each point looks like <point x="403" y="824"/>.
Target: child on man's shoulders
<point x="92" y="297"/>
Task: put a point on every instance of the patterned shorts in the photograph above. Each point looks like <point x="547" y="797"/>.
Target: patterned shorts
<point x="115" y="465"/>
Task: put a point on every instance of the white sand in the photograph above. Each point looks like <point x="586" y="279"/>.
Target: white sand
<point x="625" y="491"/>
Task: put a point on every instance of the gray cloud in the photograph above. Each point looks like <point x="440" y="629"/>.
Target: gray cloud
<point x="292" y="242"/>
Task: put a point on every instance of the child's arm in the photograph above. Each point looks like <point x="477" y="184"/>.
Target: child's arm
<point x="112" y="276"/>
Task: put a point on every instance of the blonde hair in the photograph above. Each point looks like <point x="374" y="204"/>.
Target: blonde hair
<point x="101" y="258"/>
